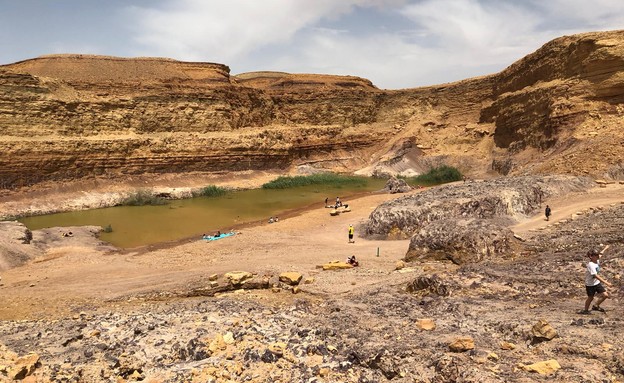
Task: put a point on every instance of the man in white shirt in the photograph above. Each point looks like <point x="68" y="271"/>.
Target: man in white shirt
<point x="594" y="282"/>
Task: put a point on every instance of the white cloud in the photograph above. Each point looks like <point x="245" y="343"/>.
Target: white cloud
<point x="227" y="30"/>
<point x="445" y="40"/>
<point x="439" y="48"/>
<point x="394" y="43"/>
<point x="574" y="16"/>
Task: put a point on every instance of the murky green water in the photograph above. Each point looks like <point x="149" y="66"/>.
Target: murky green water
<point x="144" y="225"/>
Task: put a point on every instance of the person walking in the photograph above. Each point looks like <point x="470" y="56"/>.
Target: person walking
<point x="351" y="232"/>
<point x="594" y="282"/>
<point x="547" y="212"/>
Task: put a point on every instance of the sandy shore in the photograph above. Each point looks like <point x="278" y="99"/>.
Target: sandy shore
<point x="76" y="272"/>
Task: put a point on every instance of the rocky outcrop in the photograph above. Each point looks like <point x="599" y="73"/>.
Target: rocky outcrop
<point x="460" y="241"/>
<point x="67" y="117"/>
<point x="502" y="198"/>
<point x="396" y="185"/>
<point x="19" y="245"/>
<point x="466" y="222"/>
<point x="564" y="96"/>
<point x="540" y="95"/>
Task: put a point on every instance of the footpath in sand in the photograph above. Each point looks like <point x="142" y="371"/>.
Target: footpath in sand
<point x="564" y="208"/>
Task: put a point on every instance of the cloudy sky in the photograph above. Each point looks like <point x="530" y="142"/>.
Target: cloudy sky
<point x="394" y="43"/>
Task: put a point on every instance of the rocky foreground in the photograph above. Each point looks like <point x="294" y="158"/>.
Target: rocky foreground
<point x="510" y="318"/>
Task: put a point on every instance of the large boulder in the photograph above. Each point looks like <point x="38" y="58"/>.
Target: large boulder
<point x="291" y="278"/>
<point x="461" y="241"/>
<point x="396" y="185"/>
<point x="429" y="285"/>
<point x="238" y="277"/>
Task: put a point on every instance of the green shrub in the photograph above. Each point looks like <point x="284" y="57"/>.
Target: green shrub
<point x="435" y="176"/>
<point x="142" y="197"/>
<point x="210" y="191"/>
<point x="327" y="179"/>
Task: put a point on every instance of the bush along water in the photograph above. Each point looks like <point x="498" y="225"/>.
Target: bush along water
<point x="210" y="191"/>
<point x="141" y="198"/>
<point x="435" y="176"/>
<point x="327" y="179"/>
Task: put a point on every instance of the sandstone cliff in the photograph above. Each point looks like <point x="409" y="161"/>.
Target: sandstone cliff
<point x="63" y="117"/>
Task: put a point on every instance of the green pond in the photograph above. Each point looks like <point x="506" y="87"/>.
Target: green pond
<point x="179" y="219"/>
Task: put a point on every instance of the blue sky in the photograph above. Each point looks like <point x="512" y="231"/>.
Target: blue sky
<point x="394" y="43"/>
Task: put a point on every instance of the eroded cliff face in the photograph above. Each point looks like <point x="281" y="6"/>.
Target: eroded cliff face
<point x="66" y="117"/>
<point x="565" y="97"/>
<point x="74" y="116"/>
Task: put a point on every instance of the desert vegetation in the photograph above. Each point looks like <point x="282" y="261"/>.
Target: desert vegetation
<point x="210" y="191"/>
<point x="141" y="198"/>
<point x="327" y="179"/>
<point x="436" y="176"/>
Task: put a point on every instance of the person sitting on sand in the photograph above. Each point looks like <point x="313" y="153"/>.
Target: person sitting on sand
<point x="352" y="261"/>
<point x="218" y="233"/>
<point x="271" y="220"/>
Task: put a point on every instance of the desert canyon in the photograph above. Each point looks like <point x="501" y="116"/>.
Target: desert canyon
<point x="472" y="284"/>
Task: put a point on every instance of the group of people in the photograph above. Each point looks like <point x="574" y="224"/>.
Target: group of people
<point x="215" y="235"/>
<point x="218" y="234"/>
<point x="273" y="219"/>
<point x="337" y="204"/>
<point x="351" y="260"/>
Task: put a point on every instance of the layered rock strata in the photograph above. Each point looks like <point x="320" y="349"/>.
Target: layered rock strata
<point x="65" y="117"/>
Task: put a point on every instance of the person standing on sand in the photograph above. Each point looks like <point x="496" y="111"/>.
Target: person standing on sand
<point x="594" y="282"/>
<point x="351" y="232"/>
<point x="547" y="212"/>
